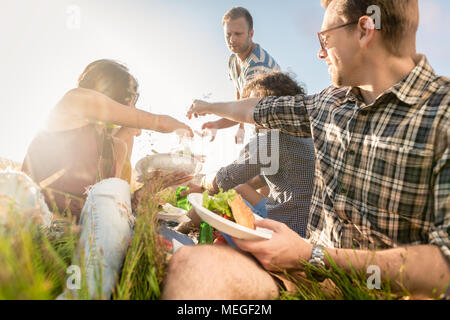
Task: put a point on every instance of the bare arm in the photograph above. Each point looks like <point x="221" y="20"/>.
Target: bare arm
<point x="238" y="111"/>
<point x="220" y="124"/>
<point x="81" y="104"/>
<point x="256" y="183"/>
<point x="421" y="269"/>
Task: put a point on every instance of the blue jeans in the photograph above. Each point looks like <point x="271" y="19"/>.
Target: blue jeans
<point x="107" y="229"/>
<point x="259" y="209"/>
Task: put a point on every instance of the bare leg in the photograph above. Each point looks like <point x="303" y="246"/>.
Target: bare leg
<point x="217" y="272"/>
<point x="249" y="194"/>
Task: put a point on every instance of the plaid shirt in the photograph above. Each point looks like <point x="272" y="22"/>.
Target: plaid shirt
<point x="382" y="170"/>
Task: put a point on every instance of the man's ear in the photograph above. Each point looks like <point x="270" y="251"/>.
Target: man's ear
<point x="366" y="28"/>
<point x="251" y="33"/>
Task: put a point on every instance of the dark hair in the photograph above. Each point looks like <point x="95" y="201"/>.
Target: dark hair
<point x="277" y="84"/>
<point x="236" y="13"/>
<point x="399" y="19"/>
<point x="111" y="78"/>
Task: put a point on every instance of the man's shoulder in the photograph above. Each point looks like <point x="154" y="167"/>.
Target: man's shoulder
<point x="260" y="56"/>
<point x="333" y="93"/>
<point x="443" y="86"/>
<point x="439" y="100"/>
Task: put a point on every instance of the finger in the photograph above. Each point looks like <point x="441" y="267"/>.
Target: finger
<point x="248" y="246"/>
<point x="200" y="134"/>
<point x="213" y="137"/>
<point x="190" y="133"/>
<point x="270" y="224"/>
<point x="191" y="112"/>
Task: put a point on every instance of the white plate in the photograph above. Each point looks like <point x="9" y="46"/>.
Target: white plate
<point x="171" y="213"/>
<point x="231" y="228"/>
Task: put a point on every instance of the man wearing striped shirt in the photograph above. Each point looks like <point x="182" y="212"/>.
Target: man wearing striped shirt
<point x="382" y="140"/>
<point x="247" y="60"/>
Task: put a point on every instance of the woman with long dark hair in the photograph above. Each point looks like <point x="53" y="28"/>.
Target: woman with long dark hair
<point x="79" y="147"/>
<point x="79" y="161"/>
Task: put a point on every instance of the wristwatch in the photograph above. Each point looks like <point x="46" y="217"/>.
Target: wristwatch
<point x="317" y="260"/>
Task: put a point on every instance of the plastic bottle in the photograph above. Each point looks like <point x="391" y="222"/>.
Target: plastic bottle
<point x="206" y="234"/>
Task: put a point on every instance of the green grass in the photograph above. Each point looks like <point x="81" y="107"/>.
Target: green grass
<point x="33" y="264"/>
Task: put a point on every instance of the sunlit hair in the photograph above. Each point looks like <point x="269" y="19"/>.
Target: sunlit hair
<point x="236" y="13"/>
<point x="111" y="78"/>
<point x="399" y="20"/>
<point x="277" y="84"/>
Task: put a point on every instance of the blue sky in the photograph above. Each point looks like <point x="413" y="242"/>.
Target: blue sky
<point x="175" y="48"/>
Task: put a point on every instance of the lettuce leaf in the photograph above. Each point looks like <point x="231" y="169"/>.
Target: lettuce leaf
<point x="219" y="203"/>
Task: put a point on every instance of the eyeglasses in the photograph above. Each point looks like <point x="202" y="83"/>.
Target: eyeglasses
<point x="323" y="39"/>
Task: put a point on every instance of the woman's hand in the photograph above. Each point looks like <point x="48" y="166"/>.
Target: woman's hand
<point x="169" y="125"/>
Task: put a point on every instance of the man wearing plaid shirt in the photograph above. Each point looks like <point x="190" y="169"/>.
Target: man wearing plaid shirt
<point x="382" y="190"/>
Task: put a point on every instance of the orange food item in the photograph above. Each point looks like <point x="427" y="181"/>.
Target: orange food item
<point x="242" y="214"/>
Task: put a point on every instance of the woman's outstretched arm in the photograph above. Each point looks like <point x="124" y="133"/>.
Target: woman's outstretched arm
<point x="83" y="104"/>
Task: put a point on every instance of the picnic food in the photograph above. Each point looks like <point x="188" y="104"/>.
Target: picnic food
<point x="242" y="214"/>
<point x="230" y="206"/>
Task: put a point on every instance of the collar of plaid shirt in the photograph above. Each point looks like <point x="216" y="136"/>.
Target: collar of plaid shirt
<point x="382" y="172"/>
<point x="422" y="76"/>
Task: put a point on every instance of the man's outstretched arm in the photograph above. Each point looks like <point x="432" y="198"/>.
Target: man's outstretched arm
<point x="287" y="114"/>
<point x="238" y="111"/>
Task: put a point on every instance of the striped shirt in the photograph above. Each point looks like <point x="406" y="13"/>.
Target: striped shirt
<point x="258" y="62"/>
<point x="382" y="170"/>
<point x="288" y="170"/>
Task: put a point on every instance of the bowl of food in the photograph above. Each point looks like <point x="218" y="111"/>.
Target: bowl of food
<point x="167" y="163"/>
